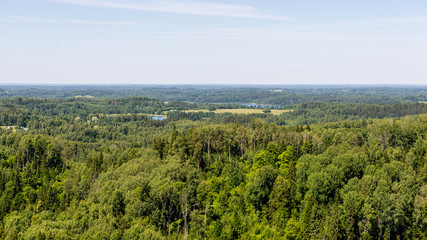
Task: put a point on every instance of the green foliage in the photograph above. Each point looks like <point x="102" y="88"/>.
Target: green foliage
<point x="260" y="187"/>
<point x="126" y="176"/>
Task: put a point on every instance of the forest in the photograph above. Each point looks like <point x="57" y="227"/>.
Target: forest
<point x="284" y="95"/>
<point x="337" y="166"/>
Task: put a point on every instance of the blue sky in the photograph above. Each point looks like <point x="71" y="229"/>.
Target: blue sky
<point x="213" y="42"/>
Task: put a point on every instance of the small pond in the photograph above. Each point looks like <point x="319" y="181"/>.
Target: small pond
<point x="158" y="118"/>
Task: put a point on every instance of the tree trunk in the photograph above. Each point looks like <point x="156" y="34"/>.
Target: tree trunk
<point x="185" y="221"/>
<point x="209" y="151"/>
<point x="23" y="160"/>
<point x="229" y="152"/>
<point x="179" y="223"/>
<point x="241" y="148"/>
<point x="206" y="213"/>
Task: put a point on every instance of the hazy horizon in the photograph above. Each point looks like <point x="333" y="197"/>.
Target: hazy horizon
<point x="231" y="85"/>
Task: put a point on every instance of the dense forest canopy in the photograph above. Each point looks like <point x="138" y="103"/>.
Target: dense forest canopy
<point x="282" y="95"/>
<point x="102" y="168"/>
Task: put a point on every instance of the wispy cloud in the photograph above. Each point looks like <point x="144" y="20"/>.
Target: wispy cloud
<point x="237" y="34"/>
<point x="24" y="19"/>
<point x="298" y="32"/>
<point x="180" y="7"/>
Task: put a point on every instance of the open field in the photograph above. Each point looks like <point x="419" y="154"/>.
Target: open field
<point x="241" y="111"/>
<point x="144" y="114"/>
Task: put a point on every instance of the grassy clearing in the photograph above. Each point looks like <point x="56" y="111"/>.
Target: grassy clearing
<point x="113" y="115"/>
<point x="241" y="111"/>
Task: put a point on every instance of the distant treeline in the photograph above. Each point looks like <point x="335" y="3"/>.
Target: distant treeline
<point x="310" y="113"/>
<point x="22" y="111"/>
<point x="283" y="96"/>
<point x="194" y="116"/>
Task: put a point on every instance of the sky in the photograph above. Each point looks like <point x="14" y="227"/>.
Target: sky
<point x="213" y="42"/>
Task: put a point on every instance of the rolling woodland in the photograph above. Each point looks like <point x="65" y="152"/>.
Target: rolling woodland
<point x="102" y="168"/>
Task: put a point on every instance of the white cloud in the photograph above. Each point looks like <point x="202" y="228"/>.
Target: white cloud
<point x="25" y="19"/>
<point x="181" y="7"/>
<point x="243" y="34"/>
